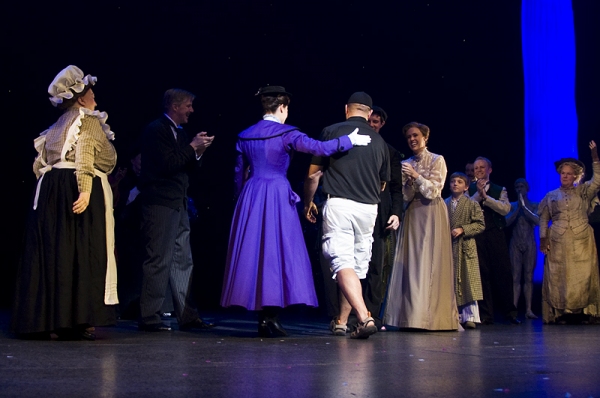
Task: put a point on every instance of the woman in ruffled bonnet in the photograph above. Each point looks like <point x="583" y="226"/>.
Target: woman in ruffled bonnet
<point x="67" y="275"/>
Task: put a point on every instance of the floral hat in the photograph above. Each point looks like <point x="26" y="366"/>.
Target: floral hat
<point x="69" y="80"/>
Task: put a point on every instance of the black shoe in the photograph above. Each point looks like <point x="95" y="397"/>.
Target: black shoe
<point x="196" y="324"/>
<point x="270" y="327"/>
<point x="85" y="335"/>
<point x="86" y="332"/>
<point x="263" y="329"/>
<point x="153" y="327"/>
<point x="487" y="321"/>
<point x="514" y="320"/>
<point x="34" y="336"/>
<point x="67" y="334"/>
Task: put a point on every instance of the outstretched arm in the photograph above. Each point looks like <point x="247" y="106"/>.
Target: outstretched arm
<point x="298" y="141"/>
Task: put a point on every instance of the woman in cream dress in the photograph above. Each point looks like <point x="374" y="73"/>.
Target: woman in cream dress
<point x="421" y="288"/>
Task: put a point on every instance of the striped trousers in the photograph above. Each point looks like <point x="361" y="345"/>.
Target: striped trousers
<point x="167" y="259"/>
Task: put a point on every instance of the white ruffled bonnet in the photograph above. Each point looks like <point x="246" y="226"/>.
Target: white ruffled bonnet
<point x="70" y="78"/>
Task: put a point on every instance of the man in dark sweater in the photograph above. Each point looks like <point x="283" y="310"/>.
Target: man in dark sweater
<point x="168" y="156"/>
<point x="389" y="216"/>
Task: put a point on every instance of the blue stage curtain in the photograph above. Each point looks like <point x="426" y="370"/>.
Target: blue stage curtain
<point x="548" y="45"/>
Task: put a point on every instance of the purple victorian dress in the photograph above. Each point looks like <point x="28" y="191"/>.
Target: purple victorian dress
<point x="267" y="261"/>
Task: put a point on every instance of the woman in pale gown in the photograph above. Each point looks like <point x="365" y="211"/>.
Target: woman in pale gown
<point x="421" y="288"/>
<point x="571" y="284"/>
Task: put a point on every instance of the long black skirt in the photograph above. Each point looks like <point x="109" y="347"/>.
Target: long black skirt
<point x="61" y="275"/>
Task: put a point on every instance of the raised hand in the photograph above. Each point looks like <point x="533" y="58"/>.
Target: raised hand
<point x="594" y="151"/>
<point x="521" y="200"/>
<point x="481" y="183"/>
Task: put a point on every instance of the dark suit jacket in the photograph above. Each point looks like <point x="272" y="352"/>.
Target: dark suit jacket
<point x="166" y="163"/>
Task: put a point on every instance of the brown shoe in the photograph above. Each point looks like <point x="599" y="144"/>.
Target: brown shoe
<point x="336" y="327"/>
<point x="364" y="329"/>
<point x="469" y="325"/>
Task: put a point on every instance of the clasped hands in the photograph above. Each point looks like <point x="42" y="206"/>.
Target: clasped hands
<point x="481" y="183"/>
<point x="201" y="141"/>
<point x="409" y="171"/>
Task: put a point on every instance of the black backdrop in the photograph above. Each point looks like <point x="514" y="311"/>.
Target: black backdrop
<point x="453" y="65"/>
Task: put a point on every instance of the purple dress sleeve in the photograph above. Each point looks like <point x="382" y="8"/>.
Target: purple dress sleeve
<point x="240" y="168"/>
<point x="300" y="142"/>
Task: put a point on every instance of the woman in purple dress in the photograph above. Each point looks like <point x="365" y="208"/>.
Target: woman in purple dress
<point x="267" y="263"/>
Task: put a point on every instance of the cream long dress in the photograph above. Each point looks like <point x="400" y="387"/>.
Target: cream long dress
<point x="421" y="289"/>
<point x="571" y="283"/>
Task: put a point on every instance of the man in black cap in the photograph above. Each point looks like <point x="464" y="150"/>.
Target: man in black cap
<point x="352" y="182"/>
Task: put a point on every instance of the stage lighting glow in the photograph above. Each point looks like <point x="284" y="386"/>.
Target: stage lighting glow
<point x="548" y="45"/>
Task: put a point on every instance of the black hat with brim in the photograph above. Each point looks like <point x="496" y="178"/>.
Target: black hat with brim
<point x="273" y="91"/>
<point x="560" y="162"/>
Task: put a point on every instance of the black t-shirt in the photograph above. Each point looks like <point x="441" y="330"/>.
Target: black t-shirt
<point x="356" y="174"/>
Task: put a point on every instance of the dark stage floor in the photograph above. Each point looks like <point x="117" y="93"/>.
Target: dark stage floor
<point x="500" y="360"/>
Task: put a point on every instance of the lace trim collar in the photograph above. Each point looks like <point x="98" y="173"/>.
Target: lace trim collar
<point x="271" y="118"/>
<point x="424" y="154"/>
<point x="74" y="130"/>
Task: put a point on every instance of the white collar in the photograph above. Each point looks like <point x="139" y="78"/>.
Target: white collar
<point x="174" y="124"/>
<point x="272" y="118"/>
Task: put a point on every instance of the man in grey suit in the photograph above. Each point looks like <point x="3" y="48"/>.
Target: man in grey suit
<point x="167" y="157"/>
